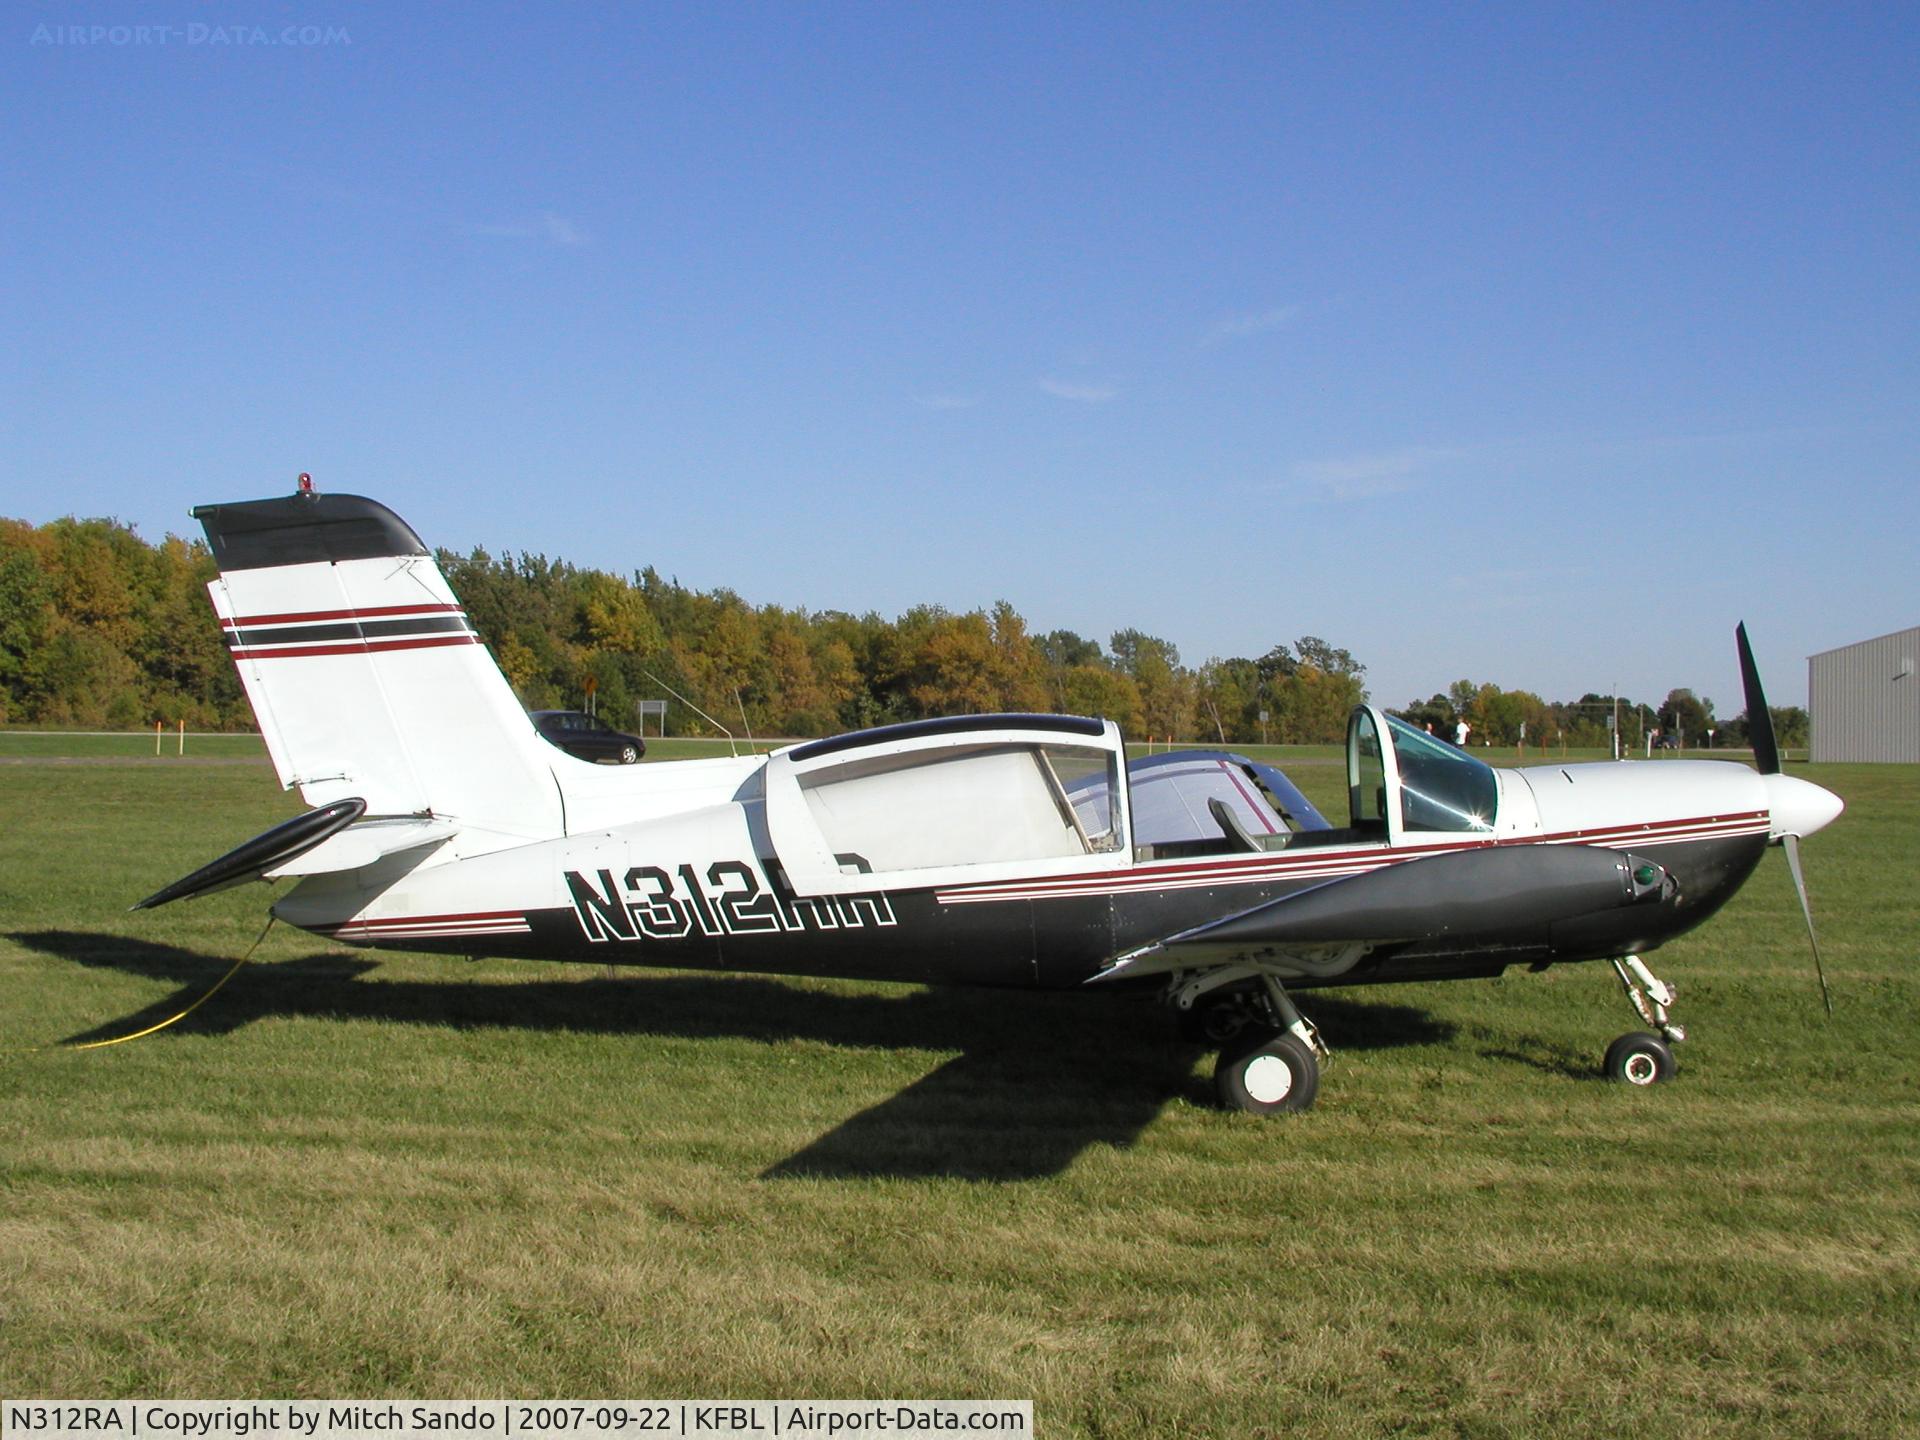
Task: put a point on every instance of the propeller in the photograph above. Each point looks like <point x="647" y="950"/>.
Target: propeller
<point x="1766" y="758"/>
<point x="1792" y="844"/>
<point x="1766" y="751"/>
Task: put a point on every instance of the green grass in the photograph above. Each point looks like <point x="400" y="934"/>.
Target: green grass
<point x="29" y="744"/>
<point x="357" y="1174"/>
<point x="26" y="744"/>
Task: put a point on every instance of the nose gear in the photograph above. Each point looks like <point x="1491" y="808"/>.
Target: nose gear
<point x="1639" y="1058"/>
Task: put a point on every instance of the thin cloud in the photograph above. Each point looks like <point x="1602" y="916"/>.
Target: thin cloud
<point x="1072" y="390"/>
<point x="556" y="229"/>
<point x="1364" y="476"/>
<point x="1239" y="327"/>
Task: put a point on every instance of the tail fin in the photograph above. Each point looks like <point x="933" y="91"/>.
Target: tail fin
<point x="363" y="671"/>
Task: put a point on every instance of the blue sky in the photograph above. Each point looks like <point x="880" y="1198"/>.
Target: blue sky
<point x="1532" y="344"/>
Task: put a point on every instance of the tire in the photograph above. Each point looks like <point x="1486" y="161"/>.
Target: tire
<point x="1267" y="1074"/>
<point x="629" y="754"/>
<point x="1640" y="1059"/>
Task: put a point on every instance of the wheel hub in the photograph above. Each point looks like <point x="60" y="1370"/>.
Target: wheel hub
<point x="1268" y="1079"/>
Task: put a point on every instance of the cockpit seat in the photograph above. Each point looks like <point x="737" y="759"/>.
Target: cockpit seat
<point x="1230" y="823"/>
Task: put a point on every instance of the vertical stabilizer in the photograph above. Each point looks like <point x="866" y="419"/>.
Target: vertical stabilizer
<point x="363" y="671"/>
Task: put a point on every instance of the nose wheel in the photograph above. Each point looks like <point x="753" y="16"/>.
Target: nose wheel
<point x="1640" y="1057"/>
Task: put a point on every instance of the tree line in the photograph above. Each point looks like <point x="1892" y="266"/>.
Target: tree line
<point x="99" y="628"/>
<point x="1515" y="717"/>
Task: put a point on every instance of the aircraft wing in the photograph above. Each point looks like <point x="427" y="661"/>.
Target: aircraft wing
<point x="1488" y="891"/>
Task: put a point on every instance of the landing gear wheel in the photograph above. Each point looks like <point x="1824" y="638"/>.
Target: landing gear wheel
<point x="1267" y="1074"/>
<point x="629" y="754"/>
<point x="1639" y="1059"/>
<point x="1215" y="1020"/>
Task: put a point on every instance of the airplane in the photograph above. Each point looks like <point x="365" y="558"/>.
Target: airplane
<point x="1014" y="850"/>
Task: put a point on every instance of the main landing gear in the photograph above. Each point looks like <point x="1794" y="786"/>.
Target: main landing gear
<point x="1269" y="1052"/>
<point x="1640" y="1057"/>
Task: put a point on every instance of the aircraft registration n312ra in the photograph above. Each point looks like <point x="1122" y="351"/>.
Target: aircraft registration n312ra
<point x="1023" y="851"/>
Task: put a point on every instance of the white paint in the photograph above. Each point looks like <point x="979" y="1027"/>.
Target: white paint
<point x="1268" y="1079"/>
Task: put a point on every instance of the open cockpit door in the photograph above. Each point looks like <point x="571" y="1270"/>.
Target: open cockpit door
<point x="952" y="801"/>
<point x="1405" y="785"/>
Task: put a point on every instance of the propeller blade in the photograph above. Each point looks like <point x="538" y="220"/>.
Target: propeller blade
<point x="1766" y="752"/>
<point x="1792" y="844"/>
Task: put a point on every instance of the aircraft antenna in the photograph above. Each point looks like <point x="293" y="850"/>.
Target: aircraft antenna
<point x="745" y="724"/>
<point x="696" y="710"/>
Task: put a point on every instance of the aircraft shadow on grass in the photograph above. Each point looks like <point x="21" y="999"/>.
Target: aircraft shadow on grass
<point x="1037" y="1080"/>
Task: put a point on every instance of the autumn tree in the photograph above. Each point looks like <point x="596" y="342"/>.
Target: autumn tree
<point x="1166" y="691"/>
<point x="97" y="627"/>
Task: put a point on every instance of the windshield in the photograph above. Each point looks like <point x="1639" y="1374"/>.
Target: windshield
<point x="1442" y="787"/>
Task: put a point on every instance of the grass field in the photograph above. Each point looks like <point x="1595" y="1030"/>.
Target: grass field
<point x="361" y="1175"/>
<point x="24" y="744"/>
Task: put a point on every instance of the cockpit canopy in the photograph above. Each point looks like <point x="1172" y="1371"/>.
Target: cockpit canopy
<point x="969" y="800"/>
<point x="1177" y="798"/>
<point x="960" y="799"/>
<point x="1415" y="782"/>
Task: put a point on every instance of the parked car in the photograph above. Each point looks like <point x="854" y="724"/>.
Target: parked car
<point x="587" y="736"/>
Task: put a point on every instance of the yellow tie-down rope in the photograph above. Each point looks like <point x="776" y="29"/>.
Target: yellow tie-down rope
<point x="172" y="1019"/>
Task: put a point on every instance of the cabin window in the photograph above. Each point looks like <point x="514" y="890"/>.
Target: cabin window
<point x="1170" y="799"/>
<point x="974" y="805"/>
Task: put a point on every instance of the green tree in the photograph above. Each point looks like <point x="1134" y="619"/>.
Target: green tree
<point x="1019" y="673"/>
<point x="1685" y="717"/>
<point x="27" y="616"/>
<point x="1313" y="690"/>
<point x="1166" y="690"/>
<point x="955" y="671"/>
<point x="1231" y="696"/>
<point x="1099" y="691"/>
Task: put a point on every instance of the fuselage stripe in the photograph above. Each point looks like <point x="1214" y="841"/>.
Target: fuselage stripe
<point x="446" y="933"/>
<point x="357" y="647"/>
<point x="296" y="617"/>
<point x="1333" y="864"/>
<point x="412" y="627"/>
<point x="402" y="927"/>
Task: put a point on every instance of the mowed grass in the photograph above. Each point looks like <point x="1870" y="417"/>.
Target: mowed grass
<point x="44" y="744"/>
<point x="365" y="1174"/>
<point x="49" y="744"/>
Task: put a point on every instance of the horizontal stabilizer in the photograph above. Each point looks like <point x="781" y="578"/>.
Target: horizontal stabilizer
<point x="283" y="843"/>
<point x="365" y="843"/>
<point x="1492" y="891"/>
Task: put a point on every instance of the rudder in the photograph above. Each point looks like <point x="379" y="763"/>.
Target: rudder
<point x="364" y="672"/>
